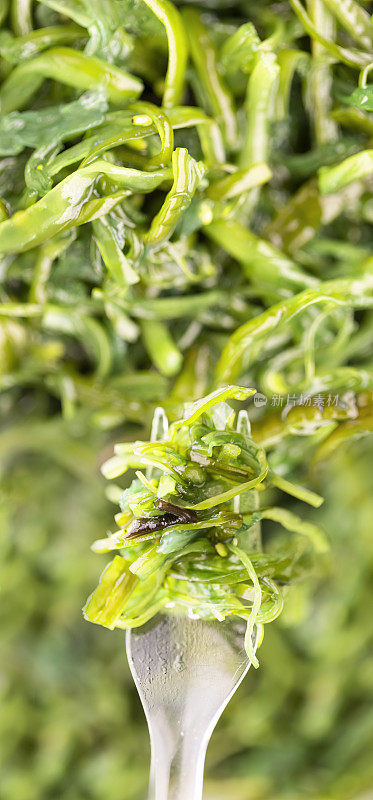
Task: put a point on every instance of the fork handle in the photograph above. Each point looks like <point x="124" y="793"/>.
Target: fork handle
<point x="176" y="771"/>
<point x="185" y="671"/>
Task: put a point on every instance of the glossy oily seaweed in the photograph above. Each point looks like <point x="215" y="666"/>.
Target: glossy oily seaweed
<point x="190" y="535"/>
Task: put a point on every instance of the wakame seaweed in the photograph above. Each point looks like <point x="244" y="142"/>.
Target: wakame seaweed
<point x="189" y="535"/>
<point x="185" y="202"/>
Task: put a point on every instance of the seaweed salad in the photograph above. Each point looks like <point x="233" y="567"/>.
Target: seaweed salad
<point x="185" y="213"/>
<point x="191" y="535"/>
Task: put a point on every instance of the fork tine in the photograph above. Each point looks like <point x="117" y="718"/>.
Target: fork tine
<point x="158" y="432"/>
<point x="159" y="429"/>
<point x="249" y="501"/>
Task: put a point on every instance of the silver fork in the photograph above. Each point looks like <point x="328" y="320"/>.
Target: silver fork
<point x="185" y="670"/>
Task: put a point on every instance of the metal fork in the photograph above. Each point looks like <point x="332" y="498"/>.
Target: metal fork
<point x="185" y="670"/>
